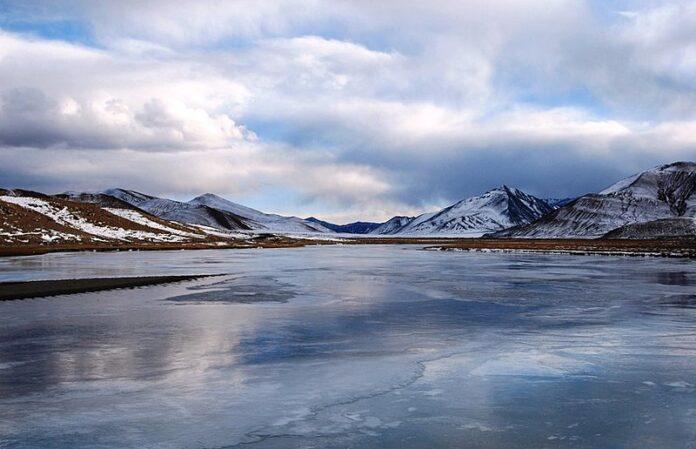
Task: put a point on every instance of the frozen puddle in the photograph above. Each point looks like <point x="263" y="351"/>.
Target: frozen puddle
<point x="352" y="346"/>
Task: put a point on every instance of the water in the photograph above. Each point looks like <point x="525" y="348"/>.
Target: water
<point x="353" y="346"/>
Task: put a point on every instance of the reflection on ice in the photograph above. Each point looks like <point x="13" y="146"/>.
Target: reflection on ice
<point x="353" y="347"/>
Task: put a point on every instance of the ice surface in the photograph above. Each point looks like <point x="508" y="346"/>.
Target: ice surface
<point x="353" y="346"/>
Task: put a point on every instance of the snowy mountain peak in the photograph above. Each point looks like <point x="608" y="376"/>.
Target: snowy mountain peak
<point x="506" y="189"/>
<point x="657" y="195"/>
<point x="672" y="184"/>
<point x="678" y="170"/>
<point x="257" y="219"/>
<point x="218" y="202"/>
<point x="129" y="196"/>
<point x="496" y="209"/>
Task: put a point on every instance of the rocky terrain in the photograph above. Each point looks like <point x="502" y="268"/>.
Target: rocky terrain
<point x="657" y="196"/>
<point x="655" y="204"/>
<point x="32" y="223"/>
<point x="357" y="227"/>
<point x="495" y="210"/>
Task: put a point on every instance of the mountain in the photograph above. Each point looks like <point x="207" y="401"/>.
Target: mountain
<point x="32" y="218"/>
<point x="558" y="202"/>
<point x="392" y="226"/>
<point x="665" y="227"/>
<point x="95" y="198"/>
<point x="662" y="193"/>
<point x="257" y="220"/>
<point x="358" y="227"/>
<point x="496" y="209"/>
<point x="181" y="212"/>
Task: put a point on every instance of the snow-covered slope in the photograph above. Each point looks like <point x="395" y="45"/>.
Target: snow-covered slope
<point x="665" y="227"/>
<point x="663" y="192"/>
<point x="392" y="226"/>
<point x="496" y="209"/>
<point x="181" y="212"/>
<point x="34" y="218"/>
<point x="258" y="220"/>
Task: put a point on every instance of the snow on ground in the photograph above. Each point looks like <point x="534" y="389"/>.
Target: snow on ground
<point x="261" y="221"/>
<point x="66" y="217"/>
<point x="137" y="217"/>
<point x="46" y="235"/>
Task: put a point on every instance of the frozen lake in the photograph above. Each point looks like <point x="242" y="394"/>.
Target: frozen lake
<point x="353" y="347"/>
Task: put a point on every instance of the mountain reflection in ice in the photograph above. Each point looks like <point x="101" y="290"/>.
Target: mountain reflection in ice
<point x="366" y="346"/>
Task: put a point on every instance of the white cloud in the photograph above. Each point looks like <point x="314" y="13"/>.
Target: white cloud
<point x="349" y="106"/>
<point x="61" y="94"/>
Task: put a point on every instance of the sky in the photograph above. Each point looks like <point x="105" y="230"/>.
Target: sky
<point x="343" y="110"/>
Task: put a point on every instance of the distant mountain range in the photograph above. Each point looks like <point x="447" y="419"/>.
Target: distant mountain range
<point x="660" y="202"/>
<point x="31" y="218"/>
<point x="495" y="210"/>
<point x="358" y="227"/>
<point x="654" y="203"/>
<point x="215" y="211"/>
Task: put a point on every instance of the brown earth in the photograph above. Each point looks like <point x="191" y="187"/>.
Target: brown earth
<point x="678" y="247"/>
<point x="261" y="241"/>
<point x="16" y="217"/>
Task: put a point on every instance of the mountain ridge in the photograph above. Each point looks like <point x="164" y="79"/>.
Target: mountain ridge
<point x="356" y="227"/>
<point x="496" y="209"/>
<point x="663" y="192"/>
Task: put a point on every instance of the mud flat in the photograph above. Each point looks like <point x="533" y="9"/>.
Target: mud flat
<point x="39" y="289"/>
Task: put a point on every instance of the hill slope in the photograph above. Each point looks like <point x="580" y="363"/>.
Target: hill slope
<point x="664" y="192"/>
<point x="34" y="218"/>
<point x="358" y="227"/>
<point x="258" y="220"/>
<point x="181" y="212"/>
<point x="496" y="209"/>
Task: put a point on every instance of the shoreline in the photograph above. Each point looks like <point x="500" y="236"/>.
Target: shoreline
<point x="567" y="252"/>
<point x="669" y="247"/>
<point x="665" y="247"/>
<point x="16" y="290"/>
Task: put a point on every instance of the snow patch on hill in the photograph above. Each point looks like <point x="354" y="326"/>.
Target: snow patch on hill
<point x="137" y="217"/>
<point x="664" y="192"/>
<point x="496" y="209"/>
<point x="66" y="217"/>
<point x="258" y="220"/>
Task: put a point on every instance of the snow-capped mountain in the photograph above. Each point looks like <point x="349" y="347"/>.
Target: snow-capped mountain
<point x="181" y="212"/>
<point x="392" y="226"/>
<point x="257" y="220"/>
<point x="665" y="227"/>
<point x="664" y="192"/>
<point x="32" y="218"/>
<point x="358" y="227"/>
<point x="496" y="209"/>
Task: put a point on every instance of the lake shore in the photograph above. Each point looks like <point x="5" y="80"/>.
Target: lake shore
<point x="674" y="247"/>
<point x="666" y="247"/>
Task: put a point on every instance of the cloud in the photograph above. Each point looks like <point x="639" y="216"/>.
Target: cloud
<point x="354" y="109"/>
<point x="55" y="94"/>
